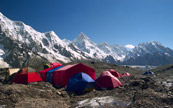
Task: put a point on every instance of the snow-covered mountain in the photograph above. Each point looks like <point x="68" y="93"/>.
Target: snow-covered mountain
<point x="149" y="53"/>
<point x="89" y="47"/>
<point x="117" y="52"/>
<point x="149" y="48"/>
<point x="21" y="45"/>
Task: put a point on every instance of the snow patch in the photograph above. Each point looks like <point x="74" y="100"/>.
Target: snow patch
<point x="167" y="54"/>
<point x="1" y="52"/>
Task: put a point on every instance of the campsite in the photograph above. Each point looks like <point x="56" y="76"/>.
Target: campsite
<point x="131" y="89"/>
<point x="86" y="54"/>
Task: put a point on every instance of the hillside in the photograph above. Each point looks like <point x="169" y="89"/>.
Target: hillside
<point x="137" y="92"/>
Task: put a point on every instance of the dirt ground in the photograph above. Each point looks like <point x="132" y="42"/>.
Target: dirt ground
<point x="137" y="92"/>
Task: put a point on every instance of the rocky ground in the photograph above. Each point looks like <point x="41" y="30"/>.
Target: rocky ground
<point x="138" y="91"/>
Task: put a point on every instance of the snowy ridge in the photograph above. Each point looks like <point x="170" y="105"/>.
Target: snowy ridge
<point x="47" y="45"/>
<point x="21" y="33"/>
<point x="22" y="44"/>
<point x="89" y="47"/>
<point x="149" y="48"/>
<point x="118" y="52"/>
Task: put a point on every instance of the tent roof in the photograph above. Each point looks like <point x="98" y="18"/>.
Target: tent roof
<point x="52" y="70"/>
<point x="70" y="66"/>
<point x="26" y="70"/>
<point x="126" y="74"/>
<point x="115" y="73"/>
<point x="148" y="72"/>
<point x="82" y="76"/>
<point x="106" y="73"/>
<point x="79" y="82"/>
<point x="45" y="70"/>
<point x="112" y="70"/>
<point x="67" y="67"/>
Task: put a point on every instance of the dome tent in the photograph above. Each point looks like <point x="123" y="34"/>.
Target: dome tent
<point x="125" y="74"/>
<point x="148" y="73"/>
<point x="107" y="80"/>
<point x="80" y="82"/>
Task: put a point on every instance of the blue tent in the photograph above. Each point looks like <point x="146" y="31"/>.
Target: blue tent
<point x="80" y="82"/>
<point x="148" y="72"/>
<point x="50" y="73"/>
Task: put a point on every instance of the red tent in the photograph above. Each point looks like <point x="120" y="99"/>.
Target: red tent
<point x="125" y="74"/>
<point x="49" y="65"/>
<point x="23" y="77"/>
<point x="43" y="73"/>
<point x="107" y="80"/>
<point x="115" y="73"/>
<point x="55" y="64"/>
<point x="61" y="76"/>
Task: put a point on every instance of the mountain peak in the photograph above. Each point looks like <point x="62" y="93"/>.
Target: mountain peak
<point x="83" y="36"/>
<point x="104" y="43"/>
<point x="51" y="33"/>
<point x="155" y="43"/>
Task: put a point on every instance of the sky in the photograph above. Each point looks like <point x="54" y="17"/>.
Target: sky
<point x="123" y="22"/>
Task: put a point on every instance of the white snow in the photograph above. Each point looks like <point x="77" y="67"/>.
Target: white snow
<point x="167" y="54"/>
<point x="121" y="58"/>
<point x="67" y="41"/>
<point x="3" y="64"/>
<point x="1" y="52"/>
<point x="118" y="52"/>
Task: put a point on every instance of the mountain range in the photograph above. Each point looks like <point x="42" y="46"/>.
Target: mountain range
<point x="21" y="45"/>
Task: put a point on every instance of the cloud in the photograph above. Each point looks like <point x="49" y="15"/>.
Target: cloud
<point x="130" y="46"/>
